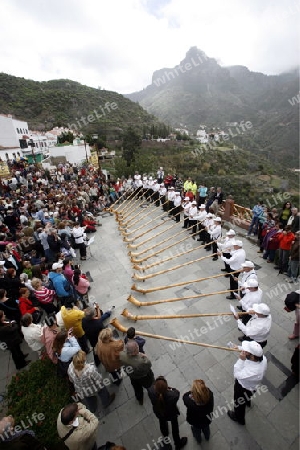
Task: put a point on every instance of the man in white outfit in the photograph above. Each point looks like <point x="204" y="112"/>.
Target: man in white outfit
<point x="248" y="372"/>
<point x="258" y="327"/>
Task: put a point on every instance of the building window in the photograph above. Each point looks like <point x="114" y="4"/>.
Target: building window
<point x="23" y="143"/>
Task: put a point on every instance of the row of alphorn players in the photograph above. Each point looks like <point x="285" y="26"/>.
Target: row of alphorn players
<point x="257" y="324"/>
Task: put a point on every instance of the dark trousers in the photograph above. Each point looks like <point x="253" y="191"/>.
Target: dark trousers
<point x="163" y="201"/>
<point x="91" y="402"/>
<point x="239" y="405"/>
<point x="156" y="198"/>
<point x="164" y="428"/>
<point x="176" y="213"/>
<point x="17" y="356"/>
<point x="170" y="205"/>
<point x="82" y="249"/>
<point x="214" y="248"/>
<point x="139" y="383"/>
<point x="193" y="223"/>
<point x="227" y="266"/>
<point x="185" y="221"/>
<point x="82" y="341"/>
<point x="233" y="284"/>
<point x="197" y="432"/>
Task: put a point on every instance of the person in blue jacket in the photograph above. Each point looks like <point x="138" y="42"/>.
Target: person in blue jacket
<point x="60" y="284"/>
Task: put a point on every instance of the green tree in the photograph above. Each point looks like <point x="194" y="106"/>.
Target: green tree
<point x="132" y="142"/>
<point x="65" y="137"/>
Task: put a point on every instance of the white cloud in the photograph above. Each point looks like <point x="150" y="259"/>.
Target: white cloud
<point x="118" y="44"/>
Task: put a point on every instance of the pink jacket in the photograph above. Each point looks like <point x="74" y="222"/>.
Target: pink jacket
<point x="82" y="286"/>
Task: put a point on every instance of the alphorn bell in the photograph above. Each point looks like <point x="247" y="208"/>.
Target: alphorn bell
<point x="148" y="230"/>
<point x="162" y="261"/>
<point x="123" y="329"/>
<point x="161" y="272"/>
<point x="161" y="242"/>
<point x="137" y="303"/>
<point x="182" y="283"/>
<point x="135" y="317"/>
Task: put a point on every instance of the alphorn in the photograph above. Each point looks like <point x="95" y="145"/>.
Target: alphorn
<point x="137" y="303"/>
<point x="162" y="261"/>
<point x="123" y="225"/>
<point x="115" y="323"/>
<point x="116" y="202"/>
<point x="134" y="207"/>
<point x="164" y="249"/>
<point x="148" y="230"/>
<point x="135" y="317"/>
<point x="161" y="272"/>
<point x="129" y="209"/>
<point x="151" y="237"/>
<point x="128" y="200"/>
<point x="138" y="219"/>
<point x="141" y="226"/>
<point x="160" y="243"/>
<point x="182" y="283"/>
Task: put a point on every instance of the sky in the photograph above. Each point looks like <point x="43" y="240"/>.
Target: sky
<point x="117" y="44"/>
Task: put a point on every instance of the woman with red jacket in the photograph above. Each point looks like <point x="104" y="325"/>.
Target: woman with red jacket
<point x="89" y="224"/>
<point x="26" y="306"/>
<point x="286" y="239"/>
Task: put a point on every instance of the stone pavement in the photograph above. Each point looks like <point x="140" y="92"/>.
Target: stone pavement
<point x="272" y="421"/>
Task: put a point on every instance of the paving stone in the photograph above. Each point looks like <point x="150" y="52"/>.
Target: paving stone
<point x="274" y="375"/>
<point x="266" y="434"/>
<point x="130" y="414"/>
<point x="283" y="417"/>
<point x="219" y="377"/>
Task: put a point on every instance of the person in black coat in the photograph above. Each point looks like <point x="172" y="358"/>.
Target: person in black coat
<point x="11" y="339"/>
<point x="164" y="401"/>
<point x="93" y="323"/>
<point x="200" y="403"/>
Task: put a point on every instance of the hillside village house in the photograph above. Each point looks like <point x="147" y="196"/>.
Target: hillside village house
<point x="16" y="140"/>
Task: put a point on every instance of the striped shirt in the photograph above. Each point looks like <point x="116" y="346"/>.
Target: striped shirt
<point x="44" y="295"/>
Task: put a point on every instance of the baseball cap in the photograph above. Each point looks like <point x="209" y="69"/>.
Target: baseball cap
<point x="252" y="347"/>
<point x="194" y="203"/>
<point x="57" y="266"/>
<point x="218" y="219"/>
<point x="230" y="232"/>
<point x="261" y="308"/>
<point x="186" y="198"/>
<point x="239" y="243"/>
<point x="248" y="264"/>
<point x="251" y="283"/>
<point x="202" y="206"/>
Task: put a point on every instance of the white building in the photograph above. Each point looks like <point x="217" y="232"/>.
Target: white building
<point x="13" y="133"/>
<point x="202" y="136"/>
